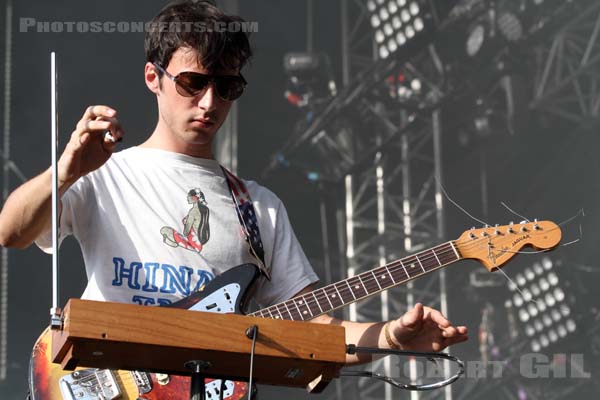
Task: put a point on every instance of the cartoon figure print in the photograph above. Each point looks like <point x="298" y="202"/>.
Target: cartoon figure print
<point x="196" y="230"/>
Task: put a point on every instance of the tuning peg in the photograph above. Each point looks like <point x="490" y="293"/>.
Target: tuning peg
<point x="535" y="224"/>
<point x="510" y="229"/>
<point x="471" y="234"/>
<point x="496" y="231"/>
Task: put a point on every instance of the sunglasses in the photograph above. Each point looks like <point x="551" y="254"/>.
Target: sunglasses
<point x="190" y="84"/>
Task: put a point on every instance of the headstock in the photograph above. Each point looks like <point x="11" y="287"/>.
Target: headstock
<point x="495" y="246"/>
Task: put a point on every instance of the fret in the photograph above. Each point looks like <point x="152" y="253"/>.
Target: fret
<point x="367" y="279"/>
<point x="405" y="270"/>
<point x="317" y="300"/>
<point x="446" y="255"/>
<point x="314" y="311"/>
<point x="281" y="315"/>
<point x="455" y="252"/>
<point x="436" y="257"/>
<point x="342" y="301"/>
<point x="327" y="297"/>
<point x="276" y="313"/>
<point x="288" y="311"/>
<point x="300" y="301"/>
<point x="270" y="313"/>
<point x="308" y="306"/>
<point x="390" y="274"/>
<point x="349" y="288"/>
<point x="421" y="264"/>
<point x="413" y="267"/>
<point x="357" y="287"/>
<point x="376" y="280"/>
<point x="297" y="308"/>
<point x="362" y="283"/>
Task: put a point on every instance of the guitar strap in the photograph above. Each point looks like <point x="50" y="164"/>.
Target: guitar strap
<point x="247" y="217"/>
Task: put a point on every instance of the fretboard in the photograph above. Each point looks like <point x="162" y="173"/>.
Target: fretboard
<point x="361" y="286"/>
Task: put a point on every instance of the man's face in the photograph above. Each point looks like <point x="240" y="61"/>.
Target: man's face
<point x="191" y="122"/>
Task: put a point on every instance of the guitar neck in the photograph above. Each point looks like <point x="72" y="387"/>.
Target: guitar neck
<point x="363" y="285"/>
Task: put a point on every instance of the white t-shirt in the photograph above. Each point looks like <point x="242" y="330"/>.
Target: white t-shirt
<point x="154" y="226"/>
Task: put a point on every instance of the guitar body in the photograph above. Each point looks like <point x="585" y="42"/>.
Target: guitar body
<point x="227" y="293"/>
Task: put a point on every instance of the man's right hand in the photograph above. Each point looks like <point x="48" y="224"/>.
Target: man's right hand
<point x="26" y="214"/>
<point x="89" y="147"/>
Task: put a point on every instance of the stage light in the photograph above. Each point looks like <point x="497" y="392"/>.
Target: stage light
<point x="542" y="305"/>
<point x="510" y="26"/>
<point x="310" y="78"/>
<point x="396" y="22"/>
<point x="475" y="40"/>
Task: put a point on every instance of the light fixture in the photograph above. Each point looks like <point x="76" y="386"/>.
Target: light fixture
<point x="396" y="22"/>
<point x="310" y="78"/>
<point x="541" y="304"/>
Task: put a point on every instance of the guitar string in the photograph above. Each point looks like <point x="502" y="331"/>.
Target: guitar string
<point x="447" y="250"/>
<point x="563" y="307"/>
<point x="128" y="378"/>
<point x="322" y="294"/>
<point x="92" y="378"/>
<point x="514" y="212"/>
<point x="370" y="280"/>
<point x="458" y="206"/>
<point x="392" y="267"/>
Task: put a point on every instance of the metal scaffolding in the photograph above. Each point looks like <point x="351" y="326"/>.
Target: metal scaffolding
<point x="567" y="81"/>
<point x="393" y="203"/>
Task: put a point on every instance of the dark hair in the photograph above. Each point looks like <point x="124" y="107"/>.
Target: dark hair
<point x="191" y="23"/>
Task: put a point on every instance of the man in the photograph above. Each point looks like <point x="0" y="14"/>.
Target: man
<point x="130" y="211"/>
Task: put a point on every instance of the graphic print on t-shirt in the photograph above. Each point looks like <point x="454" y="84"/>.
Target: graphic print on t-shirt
<point x="196" y="230"/>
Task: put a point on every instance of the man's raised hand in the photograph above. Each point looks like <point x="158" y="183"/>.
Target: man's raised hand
<point x="90" y="146"/>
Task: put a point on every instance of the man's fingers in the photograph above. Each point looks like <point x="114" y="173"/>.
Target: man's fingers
<point x="101" y="122"/>
<point x="115" y="130"/>
<point x="439" y="318"/>
<point x="449" y="332"/>
<point x="99" y="111"/>
<point x="453" y="331"/>
<point x="411" y="317"/>
<point x="97" y="125"/>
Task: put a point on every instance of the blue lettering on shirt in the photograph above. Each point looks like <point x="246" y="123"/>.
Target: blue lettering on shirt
<point x="131" y="273"/>
<point x="150" y="272"/>
<point x="145" y="277"/>
<point x="176" y="281"/>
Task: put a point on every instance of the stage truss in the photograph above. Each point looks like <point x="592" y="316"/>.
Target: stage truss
<point x="567" y="71"/>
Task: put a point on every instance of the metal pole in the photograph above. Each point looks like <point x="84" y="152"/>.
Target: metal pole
<point x="54" y="312"/>
<point x="5" y="188"/>
<point x="407" y="222"/>
<point x="226" y="146"/>
<point x="325" y="235"/>
<point x="385" y="306"/>
<point x="441" y="228"/>
<point x="350" y="239"/>
<point x="309" y="25"/>
<point x="345" y="44"/>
